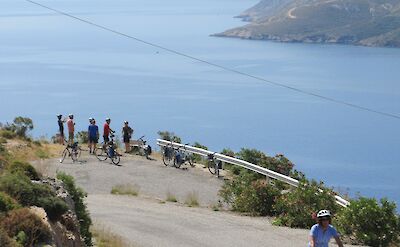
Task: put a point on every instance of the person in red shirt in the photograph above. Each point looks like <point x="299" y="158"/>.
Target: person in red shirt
<point x="71" y="128"/>
<point x="107" y="131"/>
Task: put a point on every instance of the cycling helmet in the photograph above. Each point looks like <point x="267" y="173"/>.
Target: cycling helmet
<point x="323" y="213"/>
<point x="71" y="116"/>
<point x="59" y="115"/>
<point x="126" y="122"/>
<point x="108" y="119"/>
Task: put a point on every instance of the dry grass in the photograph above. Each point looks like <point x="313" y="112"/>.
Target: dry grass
<point x="192" y="199"/>
<point x="125" y="189"/>
<point x="30" y="151"/>
<point x="171" y="197"/>
<point x="103" y="237"/>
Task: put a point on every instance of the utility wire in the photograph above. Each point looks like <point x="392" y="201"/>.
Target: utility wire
<point x="326" y="98"/>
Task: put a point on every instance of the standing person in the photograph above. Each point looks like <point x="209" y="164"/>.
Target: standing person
<point x="107" y="130"/>
<point x="90" y="122"/>
<point x="93" y="133"/>
<point x="71" y="129"/>
<point x="127" y="134"/>
<point x="61" y="137"/>
<point x="322" y="232"/>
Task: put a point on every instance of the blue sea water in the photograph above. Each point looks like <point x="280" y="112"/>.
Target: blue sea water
<point x="52" y="64"/>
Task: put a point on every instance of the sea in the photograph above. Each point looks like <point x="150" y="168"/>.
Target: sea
<point x="51" y="64"/>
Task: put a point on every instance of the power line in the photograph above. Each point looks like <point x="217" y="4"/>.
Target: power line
<point x="326" y="98"/>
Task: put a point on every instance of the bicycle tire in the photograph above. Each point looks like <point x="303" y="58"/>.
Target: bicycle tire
<point x="63" y="155"/>
<point x="74" y="155"/>
<point x="101" y="155"/>
<point x="176" y="164"/>
<point x="168" y="156"/>
<point x="116" y="158"/>
<point x="190" y="161"/>
<point x="212" y="167"/>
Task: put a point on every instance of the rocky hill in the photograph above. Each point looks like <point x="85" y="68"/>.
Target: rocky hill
<point x="357" y="22"/>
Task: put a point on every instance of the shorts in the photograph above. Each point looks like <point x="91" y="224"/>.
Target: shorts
<point x="93" y="139"/>
<point x="127" y="139"/>
<point x="62" y="134"/>
<point x="106" y="139"/>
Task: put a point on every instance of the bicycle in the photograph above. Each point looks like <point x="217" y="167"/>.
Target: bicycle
<point x="168" y="155"/>
<point x="108" y="150"/>
<point x="213" y="164"/>
<point x="140" y="147"/>
<point x="72" y="150"/>
<point x="183" y="157"/>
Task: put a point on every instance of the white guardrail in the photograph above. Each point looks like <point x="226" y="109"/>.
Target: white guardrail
<point x="234" y="161"/>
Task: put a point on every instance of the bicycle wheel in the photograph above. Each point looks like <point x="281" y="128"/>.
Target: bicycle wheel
<point x="63" y="155"/>
<point x="190" y="160"/>
<point x="101" y="154"/>
<point x="116" y="158"/>
<point x="74" y="155"/>
<point x="168" y="155"/>
<point x="212" y="167"/>
<point x="177" y="160"/>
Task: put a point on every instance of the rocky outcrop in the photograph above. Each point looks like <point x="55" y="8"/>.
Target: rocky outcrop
<point x="65" y="231"/>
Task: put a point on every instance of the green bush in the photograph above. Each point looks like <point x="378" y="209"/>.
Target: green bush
<point x="7" y="203"/>
<point x="169" y="136"/>
<point x="196" y="157"/>
<point x="249" y="196"/>
<point x="23" y="220"/>
<point x="20" y="187"/>
<point x="19" y="127"/>
<point x="25" y="168"/>
<point x="369" y="222"/>
<point x="82" y="213"/>
<point x="295" y="208"/>
<point x="7" y="134"/>
<point x="82" y="137"/>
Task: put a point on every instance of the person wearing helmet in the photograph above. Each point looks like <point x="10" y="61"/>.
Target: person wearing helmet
<point x="106" y="131"/>
<point x="322" y="232"/>
<point x="127" y="134"/>
<point x="61" y="137"/>
<point x="93" y="134"/>
<point x="90" y="122"/>
<point x="71" y="128"/>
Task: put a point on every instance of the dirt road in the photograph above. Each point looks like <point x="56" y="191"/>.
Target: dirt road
<point x="147" y="220"/>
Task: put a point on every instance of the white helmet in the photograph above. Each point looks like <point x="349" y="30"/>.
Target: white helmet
<point x="323" y="213"/>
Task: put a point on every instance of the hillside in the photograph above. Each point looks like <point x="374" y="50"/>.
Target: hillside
<point x="357" y="22"/>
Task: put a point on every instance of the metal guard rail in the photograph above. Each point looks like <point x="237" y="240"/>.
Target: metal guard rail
<point x="234" y="161"/>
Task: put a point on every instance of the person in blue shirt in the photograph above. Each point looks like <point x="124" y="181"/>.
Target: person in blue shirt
<point x="322" y="232"/>
<point x="93" y="134"/>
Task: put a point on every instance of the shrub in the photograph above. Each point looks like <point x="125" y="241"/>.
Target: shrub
<point x="5" y="240"/>
<point x="196" y="157"/>
<point x="125" y="189"/>
<point x="169" y="136"/>
<point x="55" y="207"/>
<point x="22" y="220"/>
<point x="25" y="168"/>
<point x="82" y="213"/>
<point x="27" y="193"/>
<point x="7" y="203"/>
<point x="192" y="199"/>
<point x="296" y="207"/>
<point x="246" y="195"/>
<point x="279" y="163"/>
<point x="42" y="154"/>
<point x="369" y="222"/>
<point x="7" y="134"/>
<point x="82" y="136"/>
<point x="171" y="197"/>
<point x="20" y="127"/>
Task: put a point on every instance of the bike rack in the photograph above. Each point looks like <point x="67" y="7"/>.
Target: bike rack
<point x="234" y="161"/>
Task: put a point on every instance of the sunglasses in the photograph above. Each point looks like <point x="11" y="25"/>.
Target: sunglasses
<point x="324" y="219"/>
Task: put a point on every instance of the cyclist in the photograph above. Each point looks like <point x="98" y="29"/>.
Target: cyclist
<point x="90" y="122"/>
<point x="71" y="128"/>
<point x="322" y="232"/>
<point x="107" y="131"/>
<point x="127" y="134"/>
<point x="61" y="129"/>
<point x="93" y="133"/>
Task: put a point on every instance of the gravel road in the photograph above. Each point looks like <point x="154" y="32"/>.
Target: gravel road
<point x="147" y="220"/>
